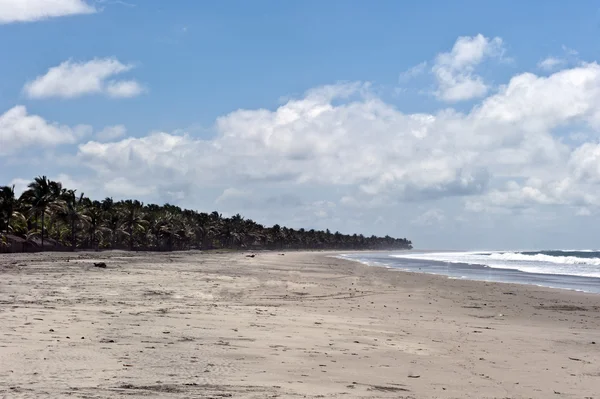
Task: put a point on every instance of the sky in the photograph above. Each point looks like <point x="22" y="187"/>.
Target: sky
<point x="458" y="125"/>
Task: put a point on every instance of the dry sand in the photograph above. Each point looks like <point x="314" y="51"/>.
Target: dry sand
<point x="193" y="325"/>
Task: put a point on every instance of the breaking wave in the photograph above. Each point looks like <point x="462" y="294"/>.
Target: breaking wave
<point x="585" y="263"/>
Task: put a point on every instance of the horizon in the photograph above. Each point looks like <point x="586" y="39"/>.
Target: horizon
<point x="452" y="125"/>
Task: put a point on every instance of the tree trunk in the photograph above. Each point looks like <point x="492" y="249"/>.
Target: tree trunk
<point x="73" y="238"/>
<point x="93" y="239"/>
<point x="130" y="238"/>
<point x="43" y="212"/>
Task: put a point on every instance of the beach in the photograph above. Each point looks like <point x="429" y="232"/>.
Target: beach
<point x="283" y="325"/>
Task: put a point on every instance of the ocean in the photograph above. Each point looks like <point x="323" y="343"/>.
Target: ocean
<point x="566" y="269"/>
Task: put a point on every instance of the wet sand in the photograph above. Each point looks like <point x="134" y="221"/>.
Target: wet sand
<point x="194" y="325"/>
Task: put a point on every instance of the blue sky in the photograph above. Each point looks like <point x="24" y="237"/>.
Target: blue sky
<point x="305" y="113"/>
<point x="204" y="59"/>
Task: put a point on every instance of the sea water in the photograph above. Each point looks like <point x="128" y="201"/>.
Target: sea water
<point x="567" y="269"/>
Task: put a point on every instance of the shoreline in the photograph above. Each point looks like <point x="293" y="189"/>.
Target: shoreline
<point x="475" y="271"/>
<point x="302" y="324"/>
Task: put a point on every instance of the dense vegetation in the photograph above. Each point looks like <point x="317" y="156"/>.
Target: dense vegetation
<point x="50" y="216"/>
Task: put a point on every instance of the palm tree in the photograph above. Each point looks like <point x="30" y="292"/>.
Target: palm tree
<point x="72" y="210"/>
<point x="155" y="229"/>
<point x="110" y="224"/>
<point x="39" y="195"/>
<point x="8" y="204"/>
<point x="111" y="221"/>
<point x="169" y="227"/>
<point x="213" y="229"/>
<point x="93" y="213"/>
<point x="114" y="225"/>
<point x="133" y="217"/>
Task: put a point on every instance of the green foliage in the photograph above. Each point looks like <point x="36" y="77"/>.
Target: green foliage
<point x="50" y="212"/>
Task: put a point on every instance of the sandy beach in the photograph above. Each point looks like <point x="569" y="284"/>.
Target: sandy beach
<point x="299" y="325"/>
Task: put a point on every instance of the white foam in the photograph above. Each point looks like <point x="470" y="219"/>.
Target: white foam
<point x="528" y="263"/>
<point x="567" y="260"/>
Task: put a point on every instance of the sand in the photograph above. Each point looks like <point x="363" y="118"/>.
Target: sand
<point x="299" y="325"/>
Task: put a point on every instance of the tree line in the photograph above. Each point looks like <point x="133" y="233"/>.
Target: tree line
<point x="52" y="217"/>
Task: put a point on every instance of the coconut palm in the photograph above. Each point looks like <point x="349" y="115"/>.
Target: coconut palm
<point x="133" y="218"/>
<point x="39" y="196"/>
<point x="169" y="228"/>
<point x="93" y="213"/>
<point x="72" y="210"/>
<point x="8" y="205"/>
<point x="79" y="222"/>
<point x="114" y="225"/>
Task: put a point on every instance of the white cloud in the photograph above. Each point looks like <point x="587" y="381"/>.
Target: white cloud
<point x="110" y="133"/>
<point x="502" y="155"/>
<point x="20" y="185"/>
<point x="70" y="182"/>
<point x="539" y="103"/>
<point x="159" y="151"/>
<point x="74" y="79"/>
<point x="123" y="187"/>
<point x="413" y="72"/>
<point x="454" y="71"/>
<point x="585" y="163"/>
<point x="551" y="63"/>
<point x="569" y="51"/>
<point x="340" y="154"/>
<point x="19" y="130"/>
<point x="532" y="194"/>
<point x="35" y="10"/>
<point x="124" y="89"/>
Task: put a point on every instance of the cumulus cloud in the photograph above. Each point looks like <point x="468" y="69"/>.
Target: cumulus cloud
<point x="585" y="163"/>
<point x="35" y="10"/>
<point x="159" y="151"/>
<point x="111" y="133"/>
<point x="339" y="155"/>
<point x="19" y="130"/>
<point x="533" y="193"/>
<point x="74" y="79"/>
<point x="367" y="143"/>
<point x="536" y="103"/>
<point x="455" y="70"/>
<point x="341" y="150"/>
<point x="345" y="136"/>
